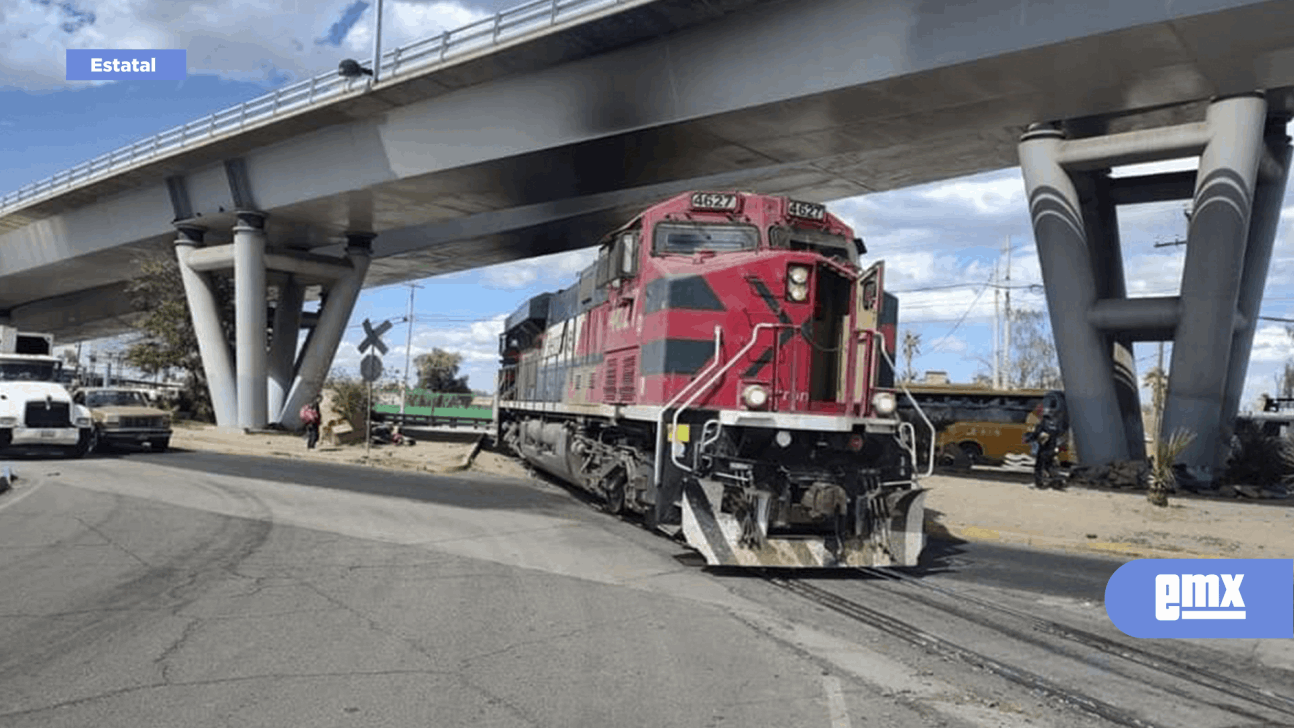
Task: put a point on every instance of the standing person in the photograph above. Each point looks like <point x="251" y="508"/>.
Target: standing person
<point x="1046" y="437"/>
<point x="310" y="418"/>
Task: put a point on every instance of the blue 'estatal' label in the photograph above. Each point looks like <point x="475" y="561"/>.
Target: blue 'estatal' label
<point x="126" y="65"/>
<point x="1191" y="598"/>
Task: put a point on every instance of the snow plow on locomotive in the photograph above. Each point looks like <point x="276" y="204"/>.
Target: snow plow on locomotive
<point x="725" y="369"/>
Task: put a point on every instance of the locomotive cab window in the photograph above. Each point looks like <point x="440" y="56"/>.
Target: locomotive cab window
<point x="625" y="254"/>
<point x="677" y="238"/>
<point x="832" y="246"/>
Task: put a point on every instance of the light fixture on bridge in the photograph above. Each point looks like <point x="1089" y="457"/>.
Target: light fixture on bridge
<point x="350" y="68"/>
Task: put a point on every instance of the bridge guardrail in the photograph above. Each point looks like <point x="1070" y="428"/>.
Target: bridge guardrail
<point x="530" y="18"/>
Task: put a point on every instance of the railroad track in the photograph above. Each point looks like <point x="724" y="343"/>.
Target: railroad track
<point x="1162" y="663"/>
<point x="1238" y="698"/>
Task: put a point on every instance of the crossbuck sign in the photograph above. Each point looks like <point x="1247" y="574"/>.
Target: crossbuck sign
<point x="373" y="337"/>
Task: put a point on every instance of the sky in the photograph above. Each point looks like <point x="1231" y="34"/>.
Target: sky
<point x="941" y="242"/>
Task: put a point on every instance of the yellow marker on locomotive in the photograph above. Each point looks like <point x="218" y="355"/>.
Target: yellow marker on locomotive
<point x="732" y="383"/>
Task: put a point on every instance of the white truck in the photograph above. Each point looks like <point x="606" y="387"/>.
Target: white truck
<point x="36" y="411"/>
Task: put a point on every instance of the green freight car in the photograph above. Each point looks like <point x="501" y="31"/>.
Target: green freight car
<point x="436" y="409"/>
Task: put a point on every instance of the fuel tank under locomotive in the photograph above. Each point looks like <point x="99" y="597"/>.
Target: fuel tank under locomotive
<point x="547" y="446"/>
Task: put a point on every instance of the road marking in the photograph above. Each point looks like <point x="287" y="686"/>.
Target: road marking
<point x="16" y="497"/>
<point x="835" y="702"/>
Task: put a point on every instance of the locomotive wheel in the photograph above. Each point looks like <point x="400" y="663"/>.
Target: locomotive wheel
<point x="615" y="495"/>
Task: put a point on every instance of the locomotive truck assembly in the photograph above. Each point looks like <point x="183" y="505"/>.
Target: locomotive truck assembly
<point x="725" y="370"/>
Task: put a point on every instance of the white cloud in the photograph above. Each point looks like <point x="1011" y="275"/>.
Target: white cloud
<point x="1154" y="274"/>
<point x="1271" y="344"/>
<point x="946" y="344"/>
<point x="985" y="194"/>
<point x="260" y="40"/>
<point x="477" y="342"/>
<point x="405" y="22"/>
<point x="559" y="269"/>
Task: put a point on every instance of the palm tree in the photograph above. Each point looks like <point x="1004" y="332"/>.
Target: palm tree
<point x="1162" y="477"/>
<point x="1158" y="383"/>
<point x="911" y="347"/>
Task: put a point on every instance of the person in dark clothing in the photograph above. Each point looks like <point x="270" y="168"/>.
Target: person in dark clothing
<point x="1045" y="438"/>
<point x="310" y="418"/>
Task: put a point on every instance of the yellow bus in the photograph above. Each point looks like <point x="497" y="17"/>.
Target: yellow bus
<point x="980" y="424"/>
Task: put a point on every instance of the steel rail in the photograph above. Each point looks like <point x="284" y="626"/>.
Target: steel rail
<point x="1167" y="665"/>
<point x="908" y="633"/>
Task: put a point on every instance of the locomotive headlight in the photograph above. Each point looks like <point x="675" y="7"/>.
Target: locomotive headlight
<point x="783" y="438"/>
<point x="754" y="396"/>
<point x="8" y="421"/>
<point x="83" y="422"/>
<point x="884" y="403"/>
<point x="797" y="282"/>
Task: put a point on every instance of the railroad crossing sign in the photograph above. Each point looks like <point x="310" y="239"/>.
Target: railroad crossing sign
<point x="370" y="367"/>
<point x="373" y="337"/>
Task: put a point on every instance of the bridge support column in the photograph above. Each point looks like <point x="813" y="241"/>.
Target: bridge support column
<point x="283" y="344"/>
<point x="323" y="341"/>
<point x="1215" y="253"/>
<point x="1065" y="256"/>
<point x="1269" y="193"/>
<point x="1244" y="164"/>
<point x="250" y="310"/>
<point x="1101" y="219"/>
<point x="212" y="345"/>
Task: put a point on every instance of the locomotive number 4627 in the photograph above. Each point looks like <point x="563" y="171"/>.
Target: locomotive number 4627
<point x="741" y="400"/>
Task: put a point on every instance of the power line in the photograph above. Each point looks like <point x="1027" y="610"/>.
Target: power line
<point x="935" y="348"/>
<point x="999" y="286"/>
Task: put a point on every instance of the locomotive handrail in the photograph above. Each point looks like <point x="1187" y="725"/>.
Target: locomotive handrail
<point x="660" y="438"/>
<point x="850" y="271"/>
<point x="930" y="469"/>
<point x="754" y="336"/>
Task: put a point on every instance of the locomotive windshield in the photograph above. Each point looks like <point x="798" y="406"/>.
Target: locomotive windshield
<point x="29" y="371"/>
<point x="832" y="246"/>
<point x="688" y="238"/>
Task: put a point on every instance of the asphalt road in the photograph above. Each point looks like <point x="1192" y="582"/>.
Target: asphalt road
<point x="199" y="589"/>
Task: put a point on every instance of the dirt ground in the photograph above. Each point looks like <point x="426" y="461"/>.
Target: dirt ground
<point x="1111" y="523"/>
<point x="970" y="508"/>
<point x="430" y="456"/>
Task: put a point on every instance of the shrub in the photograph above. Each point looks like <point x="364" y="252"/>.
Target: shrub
<point x="1259" y="459"/>
<point x="349" y="398"/>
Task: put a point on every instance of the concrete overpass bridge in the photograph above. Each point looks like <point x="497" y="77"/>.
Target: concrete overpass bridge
<point x="537" y="130"/>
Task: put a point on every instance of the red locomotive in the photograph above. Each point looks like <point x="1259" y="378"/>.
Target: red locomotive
<point x="721" y="369"/>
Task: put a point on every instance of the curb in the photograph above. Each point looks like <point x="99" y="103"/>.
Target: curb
<point x="1108" y="549"/>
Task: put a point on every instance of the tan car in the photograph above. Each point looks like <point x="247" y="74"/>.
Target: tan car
<point x="125" y="416"/>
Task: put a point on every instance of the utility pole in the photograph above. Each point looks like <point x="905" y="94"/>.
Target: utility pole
<point x="408" y="345"/>
<point x="997" y="330"/>
<point x="1006" y="345"/>
<point x="377" y="42"/>
<point x="1161" y="388"/>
